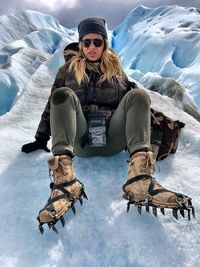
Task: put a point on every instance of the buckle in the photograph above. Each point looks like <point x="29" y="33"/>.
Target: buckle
<point x="55" y="215"/>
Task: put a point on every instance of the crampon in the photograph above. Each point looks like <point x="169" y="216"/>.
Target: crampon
<point x="65" y="191"/>
<point x="184" y="206"/>
<point x="142" y="189"/>
<point x="52" y="216"/>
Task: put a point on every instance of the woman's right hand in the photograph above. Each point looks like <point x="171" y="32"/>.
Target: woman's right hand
<point x="37" y="144"/>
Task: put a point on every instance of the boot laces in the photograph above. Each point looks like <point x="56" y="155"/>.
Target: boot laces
<point x="148" y="165"/>
<point x="53" y="172"/>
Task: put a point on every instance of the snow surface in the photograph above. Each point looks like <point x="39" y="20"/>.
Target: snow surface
<point x="102" y="233"/>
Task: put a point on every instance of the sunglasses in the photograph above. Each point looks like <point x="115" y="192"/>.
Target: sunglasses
<point x="96" y="42"/>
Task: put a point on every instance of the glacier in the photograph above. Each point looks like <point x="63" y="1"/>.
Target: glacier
<point x="102" y="233"/>
<point x="157" y="43"/>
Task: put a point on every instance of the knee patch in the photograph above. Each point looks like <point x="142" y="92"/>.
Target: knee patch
<point x="60" y="96"/>
<point x="141" y="95"/>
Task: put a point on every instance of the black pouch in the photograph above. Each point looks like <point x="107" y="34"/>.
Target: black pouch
<point x="96" y="129"/>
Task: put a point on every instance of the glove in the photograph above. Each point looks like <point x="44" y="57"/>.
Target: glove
<point x="38" y="144"/>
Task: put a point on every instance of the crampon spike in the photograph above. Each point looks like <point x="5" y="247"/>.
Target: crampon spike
<point x="81" y="201"/>
<point x="84" y="194"/>
<point x="154" y="211"/>
<point x="189" y="202"/>
<point x="162" y="210"/>
<point x="189" y="214"/>
<point x="175" y="213"/>
<point x="62" y="221"/>
<point x="182" y="213"/>
<point x="128" y="206"/>
<point x="73" y="209"/>
<point x="193" y="212"/>
<point x="54" y="229"/>
<point x="147" y="208"/>
<point x="139" y="208"/>
<point x="41" y="228"/>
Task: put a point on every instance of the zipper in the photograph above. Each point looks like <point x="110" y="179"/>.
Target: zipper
<point x="94" y="88"/>
<point x="86" y="89"/>
<point x="116" y="90"/>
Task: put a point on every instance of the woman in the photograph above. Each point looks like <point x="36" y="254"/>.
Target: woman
<point x="93" y="111"/>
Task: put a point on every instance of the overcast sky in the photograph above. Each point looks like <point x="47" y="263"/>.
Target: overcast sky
<point x="70" y="12"/>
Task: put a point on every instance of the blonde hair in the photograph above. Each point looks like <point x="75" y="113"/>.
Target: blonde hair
<point x="108" y="66"/>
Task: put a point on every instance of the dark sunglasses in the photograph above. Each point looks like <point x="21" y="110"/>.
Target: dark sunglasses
<point x="96" y="42"/>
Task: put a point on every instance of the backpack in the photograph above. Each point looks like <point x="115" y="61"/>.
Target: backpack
<point x="165" y="134"/>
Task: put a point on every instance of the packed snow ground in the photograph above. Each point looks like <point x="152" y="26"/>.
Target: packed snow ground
<point x="102" y="233"/>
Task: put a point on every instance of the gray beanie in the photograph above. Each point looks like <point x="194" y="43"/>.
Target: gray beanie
<point x="92" y="25"/>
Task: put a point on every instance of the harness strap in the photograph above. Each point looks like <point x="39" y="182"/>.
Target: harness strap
<point x="51" y="201"/>
<point x="151" y="190"/>
<point x="158" y="191"/>
<point x="66" y="193"/>
<point x="136" y="179"/>
<point x="151" y="185"/>
<point x="58" y="186"/>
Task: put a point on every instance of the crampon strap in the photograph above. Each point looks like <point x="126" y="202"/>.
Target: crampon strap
<point x="66" y="193"/>
<point x="151" y="190"/>
<point x="136" y="179"/>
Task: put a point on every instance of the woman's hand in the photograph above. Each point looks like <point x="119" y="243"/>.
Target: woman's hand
<point x="37" y="144"/>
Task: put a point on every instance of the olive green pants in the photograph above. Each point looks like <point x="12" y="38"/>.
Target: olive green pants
<point x="129" y="127"/>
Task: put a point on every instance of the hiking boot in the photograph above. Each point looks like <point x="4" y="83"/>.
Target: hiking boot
<point x="142" y="189"/>
<point x="65" y="190"/>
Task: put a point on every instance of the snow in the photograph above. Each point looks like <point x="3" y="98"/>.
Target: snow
<point x="28" y="39"/>
<point x="164" y="40"/>
<point x="102" y="233"/>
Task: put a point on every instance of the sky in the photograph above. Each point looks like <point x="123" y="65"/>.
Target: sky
<point x="71" y="12"/>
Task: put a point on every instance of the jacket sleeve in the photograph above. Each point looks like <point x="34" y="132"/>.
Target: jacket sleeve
<point x="43" y="130"/>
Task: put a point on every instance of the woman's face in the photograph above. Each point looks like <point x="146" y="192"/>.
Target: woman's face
<point x="92" y="46"/>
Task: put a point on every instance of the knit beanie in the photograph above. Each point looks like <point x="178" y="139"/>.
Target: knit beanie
<point x="92" y="25"/>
